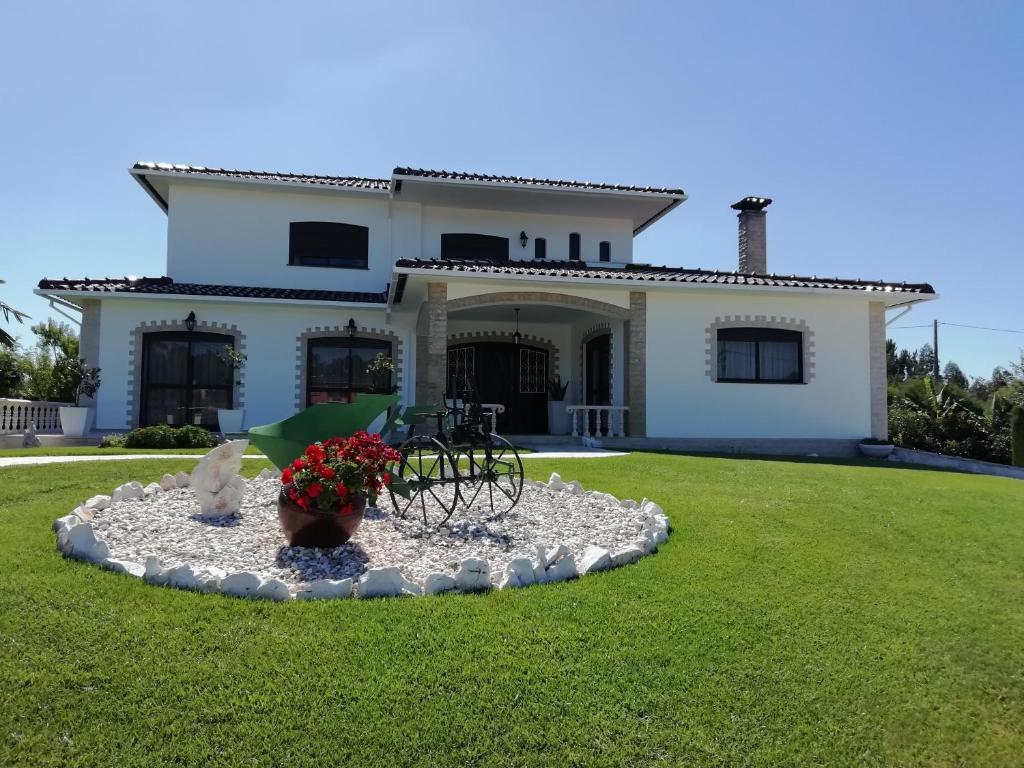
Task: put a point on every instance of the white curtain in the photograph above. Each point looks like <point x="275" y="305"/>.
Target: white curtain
<point x="779" y="360"/>
<point x="737" y="359"/>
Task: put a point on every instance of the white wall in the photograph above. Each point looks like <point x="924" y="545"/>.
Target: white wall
<point x="271" y="333"/>
<point x="682" y="401"/>
<point x="226" y="234"/>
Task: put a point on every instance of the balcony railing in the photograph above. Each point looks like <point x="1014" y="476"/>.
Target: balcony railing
<point x="598" y="420"/>
<point x="17" y="415"/>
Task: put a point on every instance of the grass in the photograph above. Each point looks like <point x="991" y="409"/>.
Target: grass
<point x="800" y="614"/>
<point x="85" y="450"/>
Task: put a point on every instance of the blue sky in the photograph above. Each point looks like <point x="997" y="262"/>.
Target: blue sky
<point x="889" y="134"/>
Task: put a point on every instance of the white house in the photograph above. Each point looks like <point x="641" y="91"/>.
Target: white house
<point x="492" y="282"/>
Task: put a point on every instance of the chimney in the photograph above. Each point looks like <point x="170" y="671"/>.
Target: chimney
<point x="753" y="241"/>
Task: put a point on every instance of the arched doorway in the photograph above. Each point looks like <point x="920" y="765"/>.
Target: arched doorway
<point x="186" y="377"/>
<point x="514" y="375"/>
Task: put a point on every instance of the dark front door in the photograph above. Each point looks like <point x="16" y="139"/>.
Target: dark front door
<point x="599" y="359"/>
<point x="186" y="377"/>
<point x="514" y="375"/>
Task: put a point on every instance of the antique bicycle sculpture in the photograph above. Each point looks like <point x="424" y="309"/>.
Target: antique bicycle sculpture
<point x="461" y="462"/>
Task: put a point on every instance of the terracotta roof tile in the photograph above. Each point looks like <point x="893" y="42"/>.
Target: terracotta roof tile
<point x="529" y="181"/>
<point x="356" y="182"/>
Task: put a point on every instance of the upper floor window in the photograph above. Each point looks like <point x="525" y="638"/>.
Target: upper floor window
<point x="540" y="248"/>
<point x="760" y="355"/>
<point x="606" y="251"/>
<point x="328" y="244"/>
<point x="464" y="245"/>
<point x="574" y="246"/>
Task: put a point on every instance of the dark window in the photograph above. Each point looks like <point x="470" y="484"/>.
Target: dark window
<point x="540" y="248"/>
<point x="765" y="355"/>
<point x="574" y="246"/>
<point x="328" y="244"/>
<point x="606" y="251"/>
<point x="464" y="245"/>
<point x="186" y="377"/>
<point x="327" y="368"/>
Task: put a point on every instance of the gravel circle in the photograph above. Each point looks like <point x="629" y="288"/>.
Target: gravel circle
<point x="167" y="524"/>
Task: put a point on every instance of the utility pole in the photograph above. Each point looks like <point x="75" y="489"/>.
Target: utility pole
<point x="935" y="344"/>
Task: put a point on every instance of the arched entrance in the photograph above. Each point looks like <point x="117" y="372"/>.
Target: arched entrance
<point x="514" y="375"/>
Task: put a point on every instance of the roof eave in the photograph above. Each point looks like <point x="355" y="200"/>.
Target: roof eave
<point x="104" y="295"/>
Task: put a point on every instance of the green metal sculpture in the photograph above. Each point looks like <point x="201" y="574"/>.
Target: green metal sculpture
<point x="283" y="440"/>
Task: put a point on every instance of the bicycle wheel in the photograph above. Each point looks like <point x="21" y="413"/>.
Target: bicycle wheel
<point x="494" y="477"/>
<point x="432" y="475"/>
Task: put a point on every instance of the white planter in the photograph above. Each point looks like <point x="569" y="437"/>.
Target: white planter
<point x="74" y="420"/>
<point x="230" y="420"/>
<point x="558" y="419"/>
<point x="876" y="451"/>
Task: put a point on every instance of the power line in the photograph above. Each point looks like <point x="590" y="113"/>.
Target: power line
<point x="957" y="325"/>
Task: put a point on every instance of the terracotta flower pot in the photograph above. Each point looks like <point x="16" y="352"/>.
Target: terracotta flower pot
<point x="314" y="528"/>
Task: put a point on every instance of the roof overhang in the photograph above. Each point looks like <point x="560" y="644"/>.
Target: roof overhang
<point x="75" y="296"/>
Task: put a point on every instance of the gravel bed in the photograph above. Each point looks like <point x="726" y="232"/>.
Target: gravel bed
<point x="166" y="524"/>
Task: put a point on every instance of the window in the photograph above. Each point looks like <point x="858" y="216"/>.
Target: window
<point x="540" y="248"/>
<point x="464" y="245"/>
<point x="328" y="244"/>
<point x="574" y="246"/>
<point x="606" y="251"/>
<point x="532" y="371"/>
<point x="763" y="355"/>
<point x="186" y="377"/>
<point x="461" y="370"/>
<point x="328" y="374"/>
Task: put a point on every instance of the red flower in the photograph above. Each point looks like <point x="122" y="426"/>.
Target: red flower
<point x="314" y="490"/>
<point x="303" y="502"/>
<point x="293" y="494"/>
<point x="298" y="465"/>
<point x="286" y="475"/>
<point x="386" y="478"/>
<point x="326" y="473"/>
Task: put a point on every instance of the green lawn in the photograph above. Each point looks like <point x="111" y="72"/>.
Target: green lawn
<point x="800" y="614"/>
<point x="83" y="450"/>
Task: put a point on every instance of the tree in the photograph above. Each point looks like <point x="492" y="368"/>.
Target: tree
<point x="11" y="372"/>
<point x="6" y="340"/>
<point x="925" y="360"/>
<point x="952" y="374"/>
<point x="1017" y="435"/>
<point x="892" y="362"/>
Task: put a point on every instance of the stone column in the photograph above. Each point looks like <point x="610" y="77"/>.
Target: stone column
<point x="878" y="376"/>
<point x="432" y="346"/>
<point x="636" y="383"/>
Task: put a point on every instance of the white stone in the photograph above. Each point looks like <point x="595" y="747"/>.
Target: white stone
<point x="595" y="559"/>
<point x="132" y="490"/>
<point x="209" y="577"/>
<point x="181" y="576"/>
<point x="273" y="589"/>
<point x="151" y="489"/>
<point x="244" y="584"/>
<point x="385" y="582"/>
<point x="123" y="566"/>
<point x="555" y="482"/>
<point x="83" y="544"/>
<point x="183" y="479"/>
<point x="168" y="483"/>
<point x="651" y="508"/>
<point x="564" y="569"/>
<point x="216" y="469"/>
<point x="627" y="556"/>
<point x="153" y="571"/>
<point x="647" y="544"/>
<point x="68" y="521"/>
<point x="474" y="574"/>
<point x="629" y="504"/>
<point x="436" y="583"/>
<point x="99" y="503"/>
<point x="574" y="487"/>
<point x="660" y="536"/>
<point x="554" y="555"/>
<point x="519" y="573"/>
<point x="226" y="501"/>
<point x="325" y="589"/>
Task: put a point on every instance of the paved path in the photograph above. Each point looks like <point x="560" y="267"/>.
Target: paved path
<point x="22" y="461"/>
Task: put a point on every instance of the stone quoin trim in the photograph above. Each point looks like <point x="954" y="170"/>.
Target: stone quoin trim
<point x="337" y="331"/>
<point x="758" y="321"/>
<point x="592" y="333"/>
<point x="636" y="363"/>
<point x="135" y="343"/>
<point x="538" y="297"/>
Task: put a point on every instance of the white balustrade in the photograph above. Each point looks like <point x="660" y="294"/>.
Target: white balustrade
<point x="490" y="411"/>
<point x="16" y="415"/>
<point x="598" y="420"/>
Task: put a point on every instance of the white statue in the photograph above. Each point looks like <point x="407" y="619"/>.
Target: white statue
<point x="218" y="486"/>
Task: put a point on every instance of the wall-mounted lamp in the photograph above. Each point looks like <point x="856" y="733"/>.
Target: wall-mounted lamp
<point x="517" y="335"/>
<point x="523" y="239"/>
<point x="190" y="321"/>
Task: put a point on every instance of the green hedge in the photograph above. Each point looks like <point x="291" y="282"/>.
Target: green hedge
<point x="1017" y="435"/>
<point x="161" y="436"/>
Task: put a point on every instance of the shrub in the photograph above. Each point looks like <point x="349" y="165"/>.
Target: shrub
<point x="113" y="441"/>
<point x="159" y="436"/>
<point x="192" y="436"/>
<point x="1017" y="435"/>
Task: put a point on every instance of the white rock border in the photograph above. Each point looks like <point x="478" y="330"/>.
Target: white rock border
<point x="77" y="539"/>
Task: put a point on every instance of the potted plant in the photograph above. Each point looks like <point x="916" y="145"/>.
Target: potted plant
<point x="381" y="369"/>
<point x="874" y="448"/>
<point x="558" y="418"/>
<point x="230" y="419"/>
<point x="325" y="491"/>
<point x="74" y="419"/>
